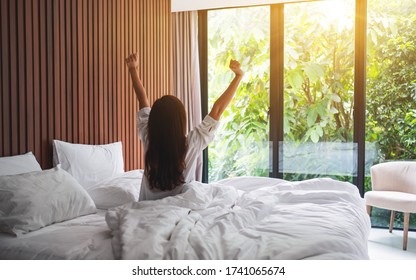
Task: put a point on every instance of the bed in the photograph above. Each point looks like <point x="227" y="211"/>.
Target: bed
<point x="236" y="218"/>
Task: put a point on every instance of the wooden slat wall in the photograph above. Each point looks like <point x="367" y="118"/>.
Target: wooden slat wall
<point x="62" y="72"/>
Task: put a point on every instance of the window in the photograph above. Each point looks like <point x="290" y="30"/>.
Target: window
<point x="318" y="91"/>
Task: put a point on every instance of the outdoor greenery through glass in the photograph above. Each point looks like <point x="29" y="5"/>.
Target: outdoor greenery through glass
<point x="319" y="69"/>
<point x="319" y="90"/>
<point x="241" y="145"/>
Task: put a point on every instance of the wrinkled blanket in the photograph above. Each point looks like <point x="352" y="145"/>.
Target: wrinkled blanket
<point x="272" y="219"/>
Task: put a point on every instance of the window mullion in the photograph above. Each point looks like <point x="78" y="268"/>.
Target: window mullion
<point x="203" y="72"/>
<point x="276" y="84"/>
<point x="360" y="89"/>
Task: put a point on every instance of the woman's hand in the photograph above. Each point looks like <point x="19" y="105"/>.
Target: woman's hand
<point x="132" y="61"/>
<point x="222" y="102"/>
<point x="236" y="67"/>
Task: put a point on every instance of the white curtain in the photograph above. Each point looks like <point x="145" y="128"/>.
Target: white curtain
<point x="185" y="69"/>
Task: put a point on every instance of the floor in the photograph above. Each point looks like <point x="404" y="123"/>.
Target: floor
<point x="383" y="245"/>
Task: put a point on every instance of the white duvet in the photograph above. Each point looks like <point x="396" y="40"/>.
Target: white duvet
<point x="246" y="218"/>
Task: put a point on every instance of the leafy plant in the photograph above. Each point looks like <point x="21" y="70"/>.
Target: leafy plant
<point x="319" y="64"/>
<point x="241" y="146"/>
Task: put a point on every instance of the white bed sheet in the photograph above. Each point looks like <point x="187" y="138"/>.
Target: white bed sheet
<point x="85" y="237"/>
<point x="246" y="218"/>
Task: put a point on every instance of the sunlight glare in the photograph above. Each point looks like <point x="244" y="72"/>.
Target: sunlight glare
<point x="338" y="12"/>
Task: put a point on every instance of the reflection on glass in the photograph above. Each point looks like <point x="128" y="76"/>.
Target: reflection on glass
<point x="329" y="158"/>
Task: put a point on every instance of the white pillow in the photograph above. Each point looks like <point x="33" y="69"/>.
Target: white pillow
<point x="89" y="164"/>
<point x="33" y="200"/>
<point x="118" y="190"/>
<point x="19" y="164"/>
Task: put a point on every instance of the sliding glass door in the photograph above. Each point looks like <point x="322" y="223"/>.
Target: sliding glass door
<point x="241" y="146"/>
<point x="318" y="91"/>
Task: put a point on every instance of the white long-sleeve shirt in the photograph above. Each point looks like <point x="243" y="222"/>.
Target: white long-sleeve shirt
<point x="196" y="141"/>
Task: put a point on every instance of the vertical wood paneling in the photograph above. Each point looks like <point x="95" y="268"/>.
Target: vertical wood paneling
<point x="80" y="70"/>
<point x="119" y="56"/>
<point x="105" y="72"/>
<point x="68" y="71"/>
<point x="36" y="83"/>
<point x="50" y="78"/>
<point x="129" y="49"/>
<point x="29" y="75"/>
<point x="1" y="84"/>
<point x="74" y="72"/>
<point x="45" y="154"/>
<point x="123" y="73"/>
<point x="56" y="70"/>
<point x="90" y="73"/>
<point x="134" y="104"/>
<point x="5" y="79"/>
<point x="14" y="107"/>
<point x="84" y="67"/>
<point x="95" y="71"/>
<point x="100" y="65"/>
<point x="63" y="74"/>
<point x="63" y="61"/>
<point x="111" y="91"/>
<point x="21" y="80"/>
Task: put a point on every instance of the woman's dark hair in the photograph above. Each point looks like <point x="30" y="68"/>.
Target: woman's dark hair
<point x="165" y="157"/>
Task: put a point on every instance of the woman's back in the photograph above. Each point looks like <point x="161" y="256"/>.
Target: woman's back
<point x="196" y="141"/>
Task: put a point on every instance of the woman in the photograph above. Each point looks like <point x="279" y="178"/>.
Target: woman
<point x="170" y="154"/>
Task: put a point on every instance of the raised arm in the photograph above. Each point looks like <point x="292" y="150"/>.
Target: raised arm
<point x="132" y="63"/>
<point x="222" y="102"/>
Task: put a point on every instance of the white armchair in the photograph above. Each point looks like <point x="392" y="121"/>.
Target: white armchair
<point x="394" y="188"/>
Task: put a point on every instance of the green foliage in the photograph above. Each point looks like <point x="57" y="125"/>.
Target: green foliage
<point x="242" y="142"/>
<point x="391" y="86"/>
<point x="319" y="56"/>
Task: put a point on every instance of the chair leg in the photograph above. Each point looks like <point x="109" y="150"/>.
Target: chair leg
<point x="393" y="213"/>
<point x="369" y="210"/>
<point x="405" y="229"/>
